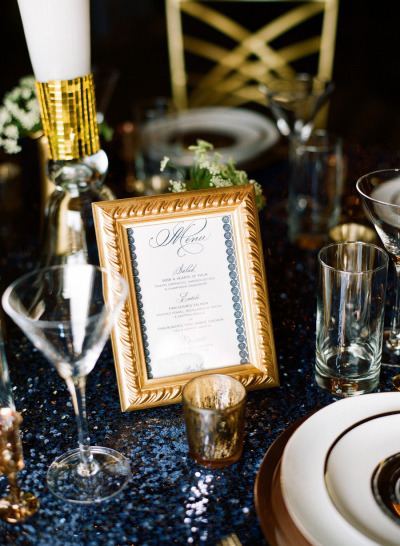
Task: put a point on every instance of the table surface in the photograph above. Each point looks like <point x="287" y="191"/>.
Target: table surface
<point x="170" y="499"/>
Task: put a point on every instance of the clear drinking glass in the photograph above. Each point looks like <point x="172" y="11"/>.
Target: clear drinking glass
<point x="152" y="144"/>
<point x="380" y="192"/>
<point x="350" y="312"/>
<point x="315" y="189"/>
<point x="67" y="312"/>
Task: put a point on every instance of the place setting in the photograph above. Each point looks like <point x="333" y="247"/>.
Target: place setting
<point x="332" y="477"/>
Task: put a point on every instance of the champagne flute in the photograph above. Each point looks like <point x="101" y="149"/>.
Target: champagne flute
<point x="17" y="505"/>
<point x="380" y="192"/>
<point x="67" y="312"/>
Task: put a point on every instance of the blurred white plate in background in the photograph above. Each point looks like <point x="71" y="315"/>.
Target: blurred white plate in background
<point x="236" y="133"/>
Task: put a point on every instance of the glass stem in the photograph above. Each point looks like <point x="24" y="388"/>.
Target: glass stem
<point x="394" y="338"/>
<point x="76" y="386"/>
<point x="15" y="493"/>
<point x="292" y="151"/>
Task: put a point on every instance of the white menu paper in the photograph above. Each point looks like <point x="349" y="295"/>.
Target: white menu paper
<point x="188" y="294"/>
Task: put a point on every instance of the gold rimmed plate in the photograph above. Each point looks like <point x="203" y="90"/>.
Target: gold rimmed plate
<point x="350" y="465"/>
<point x="326" y="469"/>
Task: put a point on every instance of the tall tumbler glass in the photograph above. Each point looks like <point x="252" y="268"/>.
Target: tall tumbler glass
<point x="315" y="190"/>
<point x="350" y="317"/>
<point x="151" y="117"/>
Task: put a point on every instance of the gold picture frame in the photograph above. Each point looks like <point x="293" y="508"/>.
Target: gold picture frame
<point x="195" y="267"/>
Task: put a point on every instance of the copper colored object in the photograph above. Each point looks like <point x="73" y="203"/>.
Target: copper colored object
<point x="277" y="525"/>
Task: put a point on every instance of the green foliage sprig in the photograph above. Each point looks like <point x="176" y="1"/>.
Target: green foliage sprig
<point x="207" y="172"/>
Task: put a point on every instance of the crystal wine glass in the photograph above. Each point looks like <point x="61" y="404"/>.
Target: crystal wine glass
<point x="294" y="102"/>
<point x="17" y="505"/>
<point x="67" y="312"/>
<point x="380" y="192"/>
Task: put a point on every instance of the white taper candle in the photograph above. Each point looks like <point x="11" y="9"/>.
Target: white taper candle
<point x="58" y="37"/>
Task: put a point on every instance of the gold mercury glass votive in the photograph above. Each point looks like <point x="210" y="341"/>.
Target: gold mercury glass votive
<point x="214" y="408"/>
<point x="353" y="232"/>
<point x="17" y="506"/>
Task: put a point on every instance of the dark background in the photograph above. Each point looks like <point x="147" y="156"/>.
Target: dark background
<point x="131" y="35"/>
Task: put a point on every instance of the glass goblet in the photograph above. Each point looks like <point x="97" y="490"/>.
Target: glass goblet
<point x="295" y="102"/>
<point x="380" y="192"/>
<point x="67" y="312"/>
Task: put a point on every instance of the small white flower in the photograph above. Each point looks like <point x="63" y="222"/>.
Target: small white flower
<point x="10" y="146"/>
<point x="215" y="169"/>
<point x="32" y="105"/>
<point x="11" y="132"/>
<point x="28" y="81"/>
<point x="14" y="95"/>
<point x="26" y="93"/>
<point x="15" y="110"/>
<point x="4" y="116"/>
<point x="19" y="114"/>
<point x="204" y="163"/>
<point x="164" y="163"/>
<point x="207" y="172"/>
<point x="177" y="187"/>
<point x="220" y="182"/>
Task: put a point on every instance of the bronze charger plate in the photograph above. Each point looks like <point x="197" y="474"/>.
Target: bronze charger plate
<point x="276" y="523"/>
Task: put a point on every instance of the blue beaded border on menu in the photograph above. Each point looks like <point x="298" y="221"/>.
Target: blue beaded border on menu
<point x="139" y="298"/>
<point x="235" y="289"/>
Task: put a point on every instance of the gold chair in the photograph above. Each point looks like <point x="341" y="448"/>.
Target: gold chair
<point x="235" y="73"/>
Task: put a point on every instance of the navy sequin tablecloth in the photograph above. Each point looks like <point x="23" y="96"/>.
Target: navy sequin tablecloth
<point x="170" y="499"/>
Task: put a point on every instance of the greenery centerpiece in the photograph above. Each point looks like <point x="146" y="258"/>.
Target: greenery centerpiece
<point x="208" y="172"/>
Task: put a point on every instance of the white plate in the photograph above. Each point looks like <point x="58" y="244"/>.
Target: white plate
<point x="243" y="134"/>
<point x="350" y="465"/>
<point x="320" y="444"/>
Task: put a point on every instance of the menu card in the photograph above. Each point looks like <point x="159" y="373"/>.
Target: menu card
<point x="188" y="295"/>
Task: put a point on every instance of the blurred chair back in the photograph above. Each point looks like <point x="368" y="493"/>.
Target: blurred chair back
<point x="237" y="60"/>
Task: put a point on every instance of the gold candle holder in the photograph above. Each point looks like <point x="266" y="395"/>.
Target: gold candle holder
<point x="214" y="411"/>
<point x="17" y="506"/>
<point x="353" y="232"/>
<point x="68" y="109"/>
